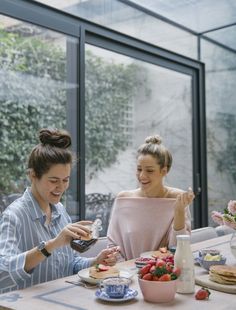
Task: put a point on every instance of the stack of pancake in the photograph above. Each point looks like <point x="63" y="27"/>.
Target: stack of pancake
<point x="223" y="274"/>
<point x="100" y="274"/>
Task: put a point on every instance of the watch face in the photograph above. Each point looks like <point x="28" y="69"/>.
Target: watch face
<point x="41" y="246"/>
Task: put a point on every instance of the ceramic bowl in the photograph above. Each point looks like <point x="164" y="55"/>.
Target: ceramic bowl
<point x="206" y="264"/>
<point x="203" y="252"/>
<point x="158" y="291"/>
<point x="142" y="261"/>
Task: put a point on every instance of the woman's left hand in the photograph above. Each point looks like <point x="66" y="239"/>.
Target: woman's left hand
<point x="184" y="199"/>
<point x="108" y="256"/>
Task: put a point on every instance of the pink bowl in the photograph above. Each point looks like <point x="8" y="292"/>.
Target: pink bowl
<point x="158" y="291"/>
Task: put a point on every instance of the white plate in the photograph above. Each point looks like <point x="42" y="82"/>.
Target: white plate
<point x="148" y="254"/>
<point x="84" y="275"/>
<point x="103" y="296"/>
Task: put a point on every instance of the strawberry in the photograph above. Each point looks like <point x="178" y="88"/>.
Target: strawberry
<point x="165" y="277"/>
<point x="202" y="294"/>
<point x="160" y="263"/>
<point x="169" y="267"/>
<point x="176" y="271"/>
<point x="147" y="276"/>
<point x="152" y="269"/>
<point x="155" y="278"/>
<point x="145" y="269"/>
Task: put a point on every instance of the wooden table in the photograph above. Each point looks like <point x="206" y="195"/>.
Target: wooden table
<point x="60" y="295"/>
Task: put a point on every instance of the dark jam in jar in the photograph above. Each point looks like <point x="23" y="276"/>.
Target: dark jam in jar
<point x="82" y="245"/>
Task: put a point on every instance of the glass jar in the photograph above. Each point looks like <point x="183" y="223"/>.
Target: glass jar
<point x="233" y="244"/>
<point x="81" y="245"/>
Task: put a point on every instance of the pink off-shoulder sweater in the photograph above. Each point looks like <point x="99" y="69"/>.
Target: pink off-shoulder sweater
<point x="141" y="224"/>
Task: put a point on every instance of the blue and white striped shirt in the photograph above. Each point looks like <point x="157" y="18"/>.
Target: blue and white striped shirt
<point x="22" y="227"/>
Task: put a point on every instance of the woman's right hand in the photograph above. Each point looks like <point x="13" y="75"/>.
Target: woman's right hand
<point x="72" y="231"/>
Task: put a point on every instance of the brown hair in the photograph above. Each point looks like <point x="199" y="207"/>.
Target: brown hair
<point x="153" y="146"/>
<point x="53" y="149"/>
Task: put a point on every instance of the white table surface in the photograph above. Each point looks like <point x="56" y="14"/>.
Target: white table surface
<point x="61" y="295"/>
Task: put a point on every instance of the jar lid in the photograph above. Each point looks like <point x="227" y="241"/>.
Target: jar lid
<point x="183" y="237"/>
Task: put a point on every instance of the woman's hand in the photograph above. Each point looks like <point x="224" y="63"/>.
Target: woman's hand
<point x="184" y="199"/>
<point x="108" y="256"/>
<point x="71" y="231"/>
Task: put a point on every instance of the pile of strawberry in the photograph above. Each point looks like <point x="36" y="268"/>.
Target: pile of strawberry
<point x="160" y="270"/>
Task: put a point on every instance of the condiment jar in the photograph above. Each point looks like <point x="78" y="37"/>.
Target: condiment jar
<point x="82" y="245"/>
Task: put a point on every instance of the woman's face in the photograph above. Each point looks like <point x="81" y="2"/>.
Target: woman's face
<point x="51" y="186"/>
<point x="149" y="173"/>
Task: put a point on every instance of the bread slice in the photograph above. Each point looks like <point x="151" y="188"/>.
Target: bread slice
<point x="94" y="272"/>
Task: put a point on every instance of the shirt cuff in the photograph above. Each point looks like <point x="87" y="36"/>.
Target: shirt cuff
<point x="18" y="272"/>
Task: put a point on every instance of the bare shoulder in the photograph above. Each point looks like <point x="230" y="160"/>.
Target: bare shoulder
<point x="174" y="192"/>
<point x="127" y="194"/>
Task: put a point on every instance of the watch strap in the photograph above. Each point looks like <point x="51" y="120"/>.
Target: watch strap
<point x="43" y="250"/>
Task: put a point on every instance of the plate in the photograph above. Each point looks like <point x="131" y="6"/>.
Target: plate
<point x="128" y="296"/>
<point x="153" y="254"/>
<point x="148" y="254"/>
<point x="84" y="275"/>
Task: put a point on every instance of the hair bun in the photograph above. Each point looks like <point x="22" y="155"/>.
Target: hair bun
<point x="153" y="139"/>
<point x="55" y="137"/>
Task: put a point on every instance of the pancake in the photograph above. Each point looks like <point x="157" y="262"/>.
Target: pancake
<point x="221" y="279"/>
<point x="95" y="273"/>
<point x="224" y="270"/>
<point x="223" y="274"/>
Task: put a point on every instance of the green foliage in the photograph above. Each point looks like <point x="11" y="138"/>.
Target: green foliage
<point x="28" y="101"/>
<point x="226" y="157"/>
<point x="33" y="95"/>
<point x="110" y="89"/>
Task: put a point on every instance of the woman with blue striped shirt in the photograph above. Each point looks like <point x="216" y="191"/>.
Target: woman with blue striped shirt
<point x="35" y="230"/>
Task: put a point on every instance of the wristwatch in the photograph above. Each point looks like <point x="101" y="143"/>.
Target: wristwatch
<point x="41" y="248"/>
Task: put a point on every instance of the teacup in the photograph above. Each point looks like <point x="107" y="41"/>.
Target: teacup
<point x="115" y="287"/>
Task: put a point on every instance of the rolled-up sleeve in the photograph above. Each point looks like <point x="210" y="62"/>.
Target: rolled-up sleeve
<point x="12" y="260"/>
<point x="185" y="231"/>
<point x="82" y="263"/>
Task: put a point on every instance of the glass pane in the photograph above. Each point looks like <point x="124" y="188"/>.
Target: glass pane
<point x="130" y="21"/>
<point x="200" y="15"/>
<point x="33" y="94"/>
<point x="221" y="131"/>
<point x="123" y="107"/>
<point x="224" y="36"/>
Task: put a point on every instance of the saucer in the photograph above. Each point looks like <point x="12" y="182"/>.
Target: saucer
<point x="128" y="296"/>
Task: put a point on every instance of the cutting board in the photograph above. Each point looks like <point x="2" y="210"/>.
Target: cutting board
<point x="202" y="279"/>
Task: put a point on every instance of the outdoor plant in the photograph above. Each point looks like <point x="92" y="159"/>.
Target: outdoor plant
<point x="33" y="95"/>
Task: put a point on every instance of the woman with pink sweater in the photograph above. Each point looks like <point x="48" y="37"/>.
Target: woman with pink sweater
<point x="150" y="216"/>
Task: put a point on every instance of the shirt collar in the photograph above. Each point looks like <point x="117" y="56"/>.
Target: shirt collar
<point x="35" y="210"/>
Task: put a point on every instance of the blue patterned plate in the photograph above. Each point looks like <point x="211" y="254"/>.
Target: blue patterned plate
<point x="128" y="296"/>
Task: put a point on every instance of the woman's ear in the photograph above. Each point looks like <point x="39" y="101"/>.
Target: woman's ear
<point x="164" y="171"/>
<point x="31" y="175"/>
